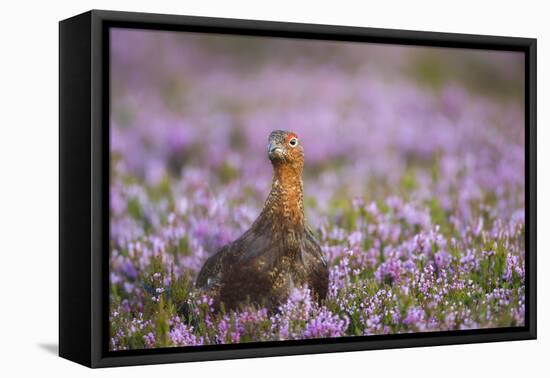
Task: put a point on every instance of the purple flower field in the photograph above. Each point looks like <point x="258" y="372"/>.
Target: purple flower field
<point x="413" y="183"/>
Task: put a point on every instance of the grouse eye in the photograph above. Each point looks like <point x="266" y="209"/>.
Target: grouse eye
<point x="293" y="142"/>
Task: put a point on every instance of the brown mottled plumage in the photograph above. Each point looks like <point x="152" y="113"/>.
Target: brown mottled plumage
<point x="279" y="251"/>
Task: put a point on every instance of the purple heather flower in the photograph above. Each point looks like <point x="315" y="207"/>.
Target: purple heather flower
<point x="355" y="239"/>
<point x="149" y="340"/>
<point x="389" y="270"/>
<point x="415" y="317"/>
<point x="182" y="335"/>
<point x="442" y="259"/>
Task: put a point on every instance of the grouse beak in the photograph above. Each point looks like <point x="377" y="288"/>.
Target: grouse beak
<point x="274" y="151"/>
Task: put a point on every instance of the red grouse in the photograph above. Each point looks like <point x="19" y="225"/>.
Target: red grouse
<point x="279" y="251"/>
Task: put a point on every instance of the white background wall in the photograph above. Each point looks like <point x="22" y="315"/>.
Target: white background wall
<point x="29" y="186"/>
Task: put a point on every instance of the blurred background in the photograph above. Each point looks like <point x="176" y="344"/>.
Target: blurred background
<point x="375" y="121"/>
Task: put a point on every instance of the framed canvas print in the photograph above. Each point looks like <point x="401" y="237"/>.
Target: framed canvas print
<point x="234" y="188"/>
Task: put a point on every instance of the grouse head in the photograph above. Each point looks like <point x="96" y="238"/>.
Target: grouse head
<point x="284" y="149"/>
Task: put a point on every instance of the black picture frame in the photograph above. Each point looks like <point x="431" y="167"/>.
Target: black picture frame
<point x="84" y="180"/>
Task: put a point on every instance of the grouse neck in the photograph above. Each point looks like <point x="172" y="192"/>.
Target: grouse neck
<point x="285" y="201"/>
